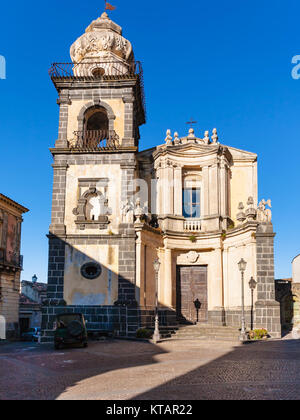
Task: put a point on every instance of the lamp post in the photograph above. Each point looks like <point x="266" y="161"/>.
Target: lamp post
<point x="156" y="336"/>
<point x="252" y="285"/>
<point x="242" y="267"/>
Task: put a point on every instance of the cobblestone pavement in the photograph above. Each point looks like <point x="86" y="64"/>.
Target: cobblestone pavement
<point x="117" y="370"/>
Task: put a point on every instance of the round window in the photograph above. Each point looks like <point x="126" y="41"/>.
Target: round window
<point x="91" y="270"/>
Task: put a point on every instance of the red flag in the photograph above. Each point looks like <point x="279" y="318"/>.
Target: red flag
<point x="109" y="6"/>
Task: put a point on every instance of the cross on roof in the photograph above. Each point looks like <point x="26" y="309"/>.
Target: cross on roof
<point x="191" y="123"/>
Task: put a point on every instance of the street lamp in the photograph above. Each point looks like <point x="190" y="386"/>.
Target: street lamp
<point x="156" y="336"/>
<point x="252" y="285"/>
<point x="242" y="267"/>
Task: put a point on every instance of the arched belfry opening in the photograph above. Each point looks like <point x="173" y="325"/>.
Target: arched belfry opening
<point x="97" y="130"/>
<point x="96" y="118"/>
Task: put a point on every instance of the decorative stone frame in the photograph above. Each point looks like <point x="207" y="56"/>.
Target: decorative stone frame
<point x="97" y="274"/>
<point x="110" y="114"/>
<point x="81" y="220"/>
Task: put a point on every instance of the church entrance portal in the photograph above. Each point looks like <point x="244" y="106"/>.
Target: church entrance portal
<point x="191" y="294"/>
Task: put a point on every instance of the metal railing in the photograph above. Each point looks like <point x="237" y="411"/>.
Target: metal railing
<point x="101" y="70"/>
<point x="192" y="225"/>
<point x="98" y="69"/>
<point x="95" y="140"/>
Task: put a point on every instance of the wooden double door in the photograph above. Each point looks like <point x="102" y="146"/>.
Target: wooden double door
<point x="191" y="294"/>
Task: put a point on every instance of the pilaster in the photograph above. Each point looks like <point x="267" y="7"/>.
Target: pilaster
<point x="178" y="190"/>
<point x="127" y="249"/>
<point x="63" y="102"/>
<point x="128" y="140"/>
<point x="168" y="283"/>
<point x="267" y="310"/>
<point x="59" y="198"/>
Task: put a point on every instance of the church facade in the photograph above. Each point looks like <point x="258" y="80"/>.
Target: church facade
<point x="190" y="202"/>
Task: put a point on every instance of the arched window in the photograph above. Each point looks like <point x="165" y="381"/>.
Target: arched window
<point x="96" y="119"/>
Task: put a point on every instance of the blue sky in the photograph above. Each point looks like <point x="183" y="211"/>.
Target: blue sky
<point x="227" y="64"/>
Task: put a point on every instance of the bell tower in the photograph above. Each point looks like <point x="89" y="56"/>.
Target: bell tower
<point x="103" y="79"/>
<point x="91" y="243"/>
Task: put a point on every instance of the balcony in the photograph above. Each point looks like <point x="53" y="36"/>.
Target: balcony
<point x="192" y="225"/>
<point x="104" y="70"/>
<point x="93" y="140"/>
<point x="179" y="224"/>
<point x="11" y="260"/>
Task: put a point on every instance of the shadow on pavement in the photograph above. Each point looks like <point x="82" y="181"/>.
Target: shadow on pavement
<point x="116" y="369"/>
<point x="30" y="371"/>
<point x="257" y="371"/>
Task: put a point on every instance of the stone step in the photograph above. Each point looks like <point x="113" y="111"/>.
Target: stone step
<point x="209" y="331"/>
<point x="203" y="338"/>
<point x="207" y="327"/>
<point x="206" y="332"/>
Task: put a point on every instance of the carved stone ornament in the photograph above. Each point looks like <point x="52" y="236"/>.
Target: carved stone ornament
<point x="192" y="257"/>
<point x="241" y="216"/>
<point x="102" y="42"/>
<point x="251" y="211"/>
<point x="139" y="212"/>
<point x="95" y="216"/>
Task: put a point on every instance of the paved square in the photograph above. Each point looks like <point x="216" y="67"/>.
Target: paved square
<point x="174" y="370"/>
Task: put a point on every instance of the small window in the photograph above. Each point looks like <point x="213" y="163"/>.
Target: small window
<point x="91" y="270"/>
<point x="98" y="73"/>
<point x="191" y="203"/>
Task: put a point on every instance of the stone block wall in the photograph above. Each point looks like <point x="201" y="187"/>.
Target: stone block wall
<point x="56" y="267"/>
<point x="267" y="310"/>
<point x="230" y="318"/>
<point x="121" y="321"/>
<point x="99" y="318"/>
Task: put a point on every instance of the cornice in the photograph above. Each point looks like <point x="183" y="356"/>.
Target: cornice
<point x="13" y="204"/>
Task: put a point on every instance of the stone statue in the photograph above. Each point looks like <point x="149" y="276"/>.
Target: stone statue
<point x="176" y="139"/>
<point x="127" y="212"/>
<point x="168" y="139"/>
<point x="215" y="137"/>
<point x="206" y="138"/>
<point x="264" y="215"/>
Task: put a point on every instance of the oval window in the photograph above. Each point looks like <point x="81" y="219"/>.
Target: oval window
<point x="91" y="270"/>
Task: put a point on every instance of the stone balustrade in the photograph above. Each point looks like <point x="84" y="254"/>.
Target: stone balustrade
<point x="192" y="225"/>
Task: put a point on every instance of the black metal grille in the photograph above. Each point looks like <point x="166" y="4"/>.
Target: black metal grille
<point x="95" y="140"/>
